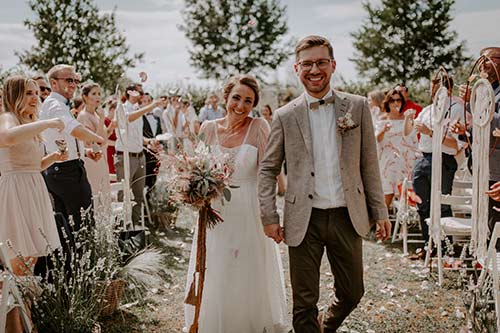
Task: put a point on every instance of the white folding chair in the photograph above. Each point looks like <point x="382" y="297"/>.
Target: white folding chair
<point x="11" y="296"/>
<point x="117" y="207"/>
<point x="456" y="227"/>
<point x="401" y="219"/>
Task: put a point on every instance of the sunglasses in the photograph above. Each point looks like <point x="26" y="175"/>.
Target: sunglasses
<point x="42" y="89"/>
<point x="68" y="80"/>
<point x="391" y="100"/>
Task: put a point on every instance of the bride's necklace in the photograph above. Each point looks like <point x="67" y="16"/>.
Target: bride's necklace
<point x="228" y="133"/>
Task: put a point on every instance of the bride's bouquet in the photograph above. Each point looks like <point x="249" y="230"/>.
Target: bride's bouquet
<point x="199" y="177"/>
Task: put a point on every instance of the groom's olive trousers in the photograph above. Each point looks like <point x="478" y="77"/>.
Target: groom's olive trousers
<point x="331" y="229"/>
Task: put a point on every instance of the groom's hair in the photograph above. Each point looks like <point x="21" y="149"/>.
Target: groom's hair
<point x="312" y="41"/>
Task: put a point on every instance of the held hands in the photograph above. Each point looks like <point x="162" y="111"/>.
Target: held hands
<point x="387" y="126"/>
<point x="274" y="231"/>
<point x="383" y="230"/>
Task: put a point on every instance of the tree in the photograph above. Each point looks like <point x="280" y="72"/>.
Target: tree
<point x="235" y="36"/>
<point x="75" y="33"/>
<point x="405" y="41"/>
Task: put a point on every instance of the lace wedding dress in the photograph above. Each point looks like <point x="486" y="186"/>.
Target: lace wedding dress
<point x="244" y="289"/>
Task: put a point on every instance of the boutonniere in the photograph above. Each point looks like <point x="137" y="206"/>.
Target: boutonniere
<point x="346" y="123"/>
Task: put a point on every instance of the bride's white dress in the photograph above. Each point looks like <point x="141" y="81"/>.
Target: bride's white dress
<point x="244" y="289"/>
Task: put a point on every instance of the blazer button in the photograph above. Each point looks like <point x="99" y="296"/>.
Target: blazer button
<point x="312" y="174"/>
<point x="310" y="196"/>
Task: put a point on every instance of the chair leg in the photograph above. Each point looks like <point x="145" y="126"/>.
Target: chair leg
<point x="405" y="238"/>
<point x="440" y="264"/>
<point x="395" y="232"/>
<point x="148" y="212"/>
<point x="428" y="252"/>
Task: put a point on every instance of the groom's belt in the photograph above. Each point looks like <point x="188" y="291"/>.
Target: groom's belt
<point x="328" y="210"/>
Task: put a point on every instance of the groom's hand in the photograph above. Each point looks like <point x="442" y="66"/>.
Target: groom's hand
<point x="383" y="230"/>
<point x="274" y="231"/>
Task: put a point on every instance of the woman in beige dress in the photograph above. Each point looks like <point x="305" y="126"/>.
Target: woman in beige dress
<point x="27" y="222"/>
<point x="92" y="117"/>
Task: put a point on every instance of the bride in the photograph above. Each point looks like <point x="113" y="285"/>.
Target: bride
<point x="244" y="290"/>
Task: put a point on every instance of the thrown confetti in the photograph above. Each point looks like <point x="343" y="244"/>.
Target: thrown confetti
<point x="143" y="76"/>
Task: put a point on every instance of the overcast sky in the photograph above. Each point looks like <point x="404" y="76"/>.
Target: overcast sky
<point x="151" y="27"/>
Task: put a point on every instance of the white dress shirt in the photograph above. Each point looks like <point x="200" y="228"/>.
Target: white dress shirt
<point x="328" y="190"/>
<point x="56" y="106"/>
<point x="135" y="137"/>
<point x="457" y="112"/>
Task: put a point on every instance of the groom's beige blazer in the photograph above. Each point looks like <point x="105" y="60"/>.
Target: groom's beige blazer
<point x="291" y="140"/>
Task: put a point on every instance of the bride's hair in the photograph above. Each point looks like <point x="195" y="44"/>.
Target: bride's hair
<point x="246" y="80"/>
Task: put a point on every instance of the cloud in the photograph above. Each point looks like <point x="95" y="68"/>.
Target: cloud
<point x="339" y="11"/>
<point x="13" y="37"/>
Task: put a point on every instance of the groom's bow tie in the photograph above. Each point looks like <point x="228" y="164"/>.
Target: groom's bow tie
<point x="315" y="105"/>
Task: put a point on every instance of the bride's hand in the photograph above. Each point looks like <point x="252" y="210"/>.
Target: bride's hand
<point x="275" y="232"/>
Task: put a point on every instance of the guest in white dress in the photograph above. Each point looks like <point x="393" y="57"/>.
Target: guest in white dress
<point x="244" y="290"/>
<point x="397" y="152"/>
<point x="92" y="117"/>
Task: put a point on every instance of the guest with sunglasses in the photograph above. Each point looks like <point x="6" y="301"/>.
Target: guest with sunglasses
<point x="44" y="87"/>
<point x="397" y="150"/>
<point x="67" y="181"/>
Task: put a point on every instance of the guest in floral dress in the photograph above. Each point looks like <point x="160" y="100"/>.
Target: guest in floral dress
<point x="397" y="152"/>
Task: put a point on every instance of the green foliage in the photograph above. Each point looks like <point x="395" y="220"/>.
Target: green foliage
<point x="75" y="33"/>
<point x="406" y="41"/>
<point x="235" y="36"/>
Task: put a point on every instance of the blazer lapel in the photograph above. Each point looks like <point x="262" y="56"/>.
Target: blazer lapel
<point x="340" y="111"/>
<point x="302" y="117"/>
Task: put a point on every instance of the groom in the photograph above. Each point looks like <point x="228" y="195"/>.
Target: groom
<point x="333" y="191"/>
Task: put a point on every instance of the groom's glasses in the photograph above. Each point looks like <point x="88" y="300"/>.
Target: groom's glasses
<point x="307" y="65"/>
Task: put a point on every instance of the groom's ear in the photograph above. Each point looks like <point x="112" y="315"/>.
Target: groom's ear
<point x="296" y="68"/>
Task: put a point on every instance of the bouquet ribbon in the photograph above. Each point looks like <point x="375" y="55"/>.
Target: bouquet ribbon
<point x="208" y="218"/>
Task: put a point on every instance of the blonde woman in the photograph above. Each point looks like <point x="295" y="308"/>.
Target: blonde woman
<point x="26" y="218"/>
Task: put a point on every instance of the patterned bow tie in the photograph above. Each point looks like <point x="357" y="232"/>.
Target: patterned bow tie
<point x="315" y="105"/>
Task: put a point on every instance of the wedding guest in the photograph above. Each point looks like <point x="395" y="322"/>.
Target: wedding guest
<point x="267" y="113"/>
<point x="422" y="173"/>
<point x="409" y="103"/>
<point x="150" y="129"/>
<point x="26" y="218"/>
<point x="211" y="110"/>
<point x="67" y="181"/>
<point x="191" y="121"/>
<point x="489" y="69"/>
<point x="44" y="87"/>
<point x="191" y="124"/>
<point x="135" y="145"/>
<point x="244" y="278"/>
<point x="159" y="110"/>
<point x="110" y="124"/>
<point x="174" y="120"/>
<point x="375" y="99"/>
<point x="92" y="117"/>
<point x="77" y="106"/>
<point x="333" y="190"/>
<point x="397" y="150"/>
